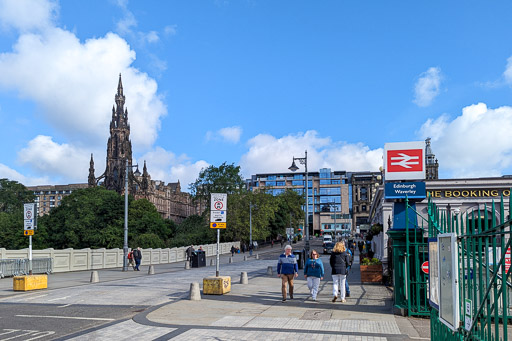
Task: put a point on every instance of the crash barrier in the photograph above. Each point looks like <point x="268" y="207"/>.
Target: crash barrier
<point x="16" y="267"/>
<point x="94" y="259"/>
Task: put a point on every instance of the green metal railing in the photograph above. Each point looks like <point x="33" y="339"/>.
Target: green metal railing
<point x="484" y="271"/>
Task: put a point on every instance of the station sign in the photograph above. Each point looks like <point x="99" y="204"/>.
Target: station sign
<point x="404" y="161"/>
<point x="400" y="190"/>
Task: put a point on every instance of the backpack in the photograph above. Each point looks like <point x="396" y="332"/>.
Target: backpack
<point x="130" y="255"/>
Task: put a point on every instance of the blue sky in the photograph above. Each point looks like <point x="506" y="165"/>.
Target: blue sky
<point x="253" y="83"/>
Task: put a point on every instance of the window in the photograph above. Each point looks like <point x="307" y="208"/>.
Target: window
<point x="271" y="177"/>
<point x="270" y="183"/>
<point x="299" y="190"/>
<point x="298" y="176"/>
<point x="363" y="208"/>
<point x="280" y="183"/>
<point x="277" y="191"/>
<point x="297" y="183"/>
<point x="330" y="191"/>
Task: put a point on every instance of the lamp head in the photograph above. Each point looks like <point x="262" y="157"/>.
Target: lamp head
<point x="293" y="167"/>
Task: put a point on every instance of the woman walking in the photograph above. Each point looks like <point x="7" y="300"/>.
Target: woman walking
<point x="339" y="261"/>
<point x="314" y="272"/>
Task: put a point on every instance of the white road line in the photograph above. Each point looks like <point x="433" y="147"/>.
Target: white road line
<point x="58" y="298"/>
<point x="64" y="306"/>
<point x="69" y="317"/>
<point x="9" y="331"/>
<point x="33" y="333"/>
<point x="30" y="298"/>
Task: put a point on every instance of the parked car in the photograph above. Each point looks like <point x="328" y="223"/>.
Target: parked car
<point x="328" y="247"/>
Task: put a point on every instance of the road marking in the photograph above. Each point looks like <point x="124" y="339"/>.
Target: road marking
<point x="30" y="298"/>
<point x="35" y="333"/>
<point x="69" y="317"/>
<point x="58" y="298"/>
<point x="65" y="305"/>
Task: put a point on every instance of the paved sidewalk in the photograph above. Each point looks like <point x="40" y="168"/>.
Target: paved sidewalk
<point x="249" y="312"/>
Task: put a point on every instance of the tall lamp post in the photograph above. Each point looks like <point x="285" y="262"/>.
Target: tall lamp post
<point x="125" y="246"/>
<point x="293" y="168"/>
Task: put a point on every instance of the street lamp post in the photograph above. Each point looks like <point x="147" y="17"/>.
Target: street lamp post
<point x="293" y="168"/>
<point x="125" y="246"/>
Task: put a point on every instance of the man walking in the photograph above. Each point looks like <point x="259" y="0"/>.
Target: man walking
<point x="137" y="255"/>
<point x="287" y="269"/>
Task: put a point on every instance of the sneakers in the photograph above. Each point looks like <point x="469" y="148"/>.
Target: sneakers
<point x="335" y="298"/>
<point x="347" y="295"/>
<point x="291" y="297"/>
<point x="284" y="300"/>
<point x="343" y="301"/>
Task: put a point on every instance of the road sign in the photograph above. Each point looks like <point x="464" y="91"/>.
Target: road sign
<point x="404" y="161"/>
<point x="28" y="232"/>
<point x="219" y="202"/>
<point x="28" y="224"/>
<point x="218" y="216"/>
<point x="217" y="225"/>
<point x="29" y="211"/>
<point x="424" y="267"/>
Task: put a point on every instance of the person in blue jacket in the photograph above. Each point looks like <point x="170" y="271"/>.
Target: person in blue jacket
<point x="287" y="269"/>
<point x="314" y="272"/>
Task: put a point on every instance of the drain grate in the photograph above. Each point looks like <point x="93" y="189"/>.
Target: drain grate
<point x="317" y="315"/>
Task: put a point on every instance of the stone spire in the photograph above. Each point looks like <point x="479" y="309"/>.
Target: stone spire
<point x="431" y="164"/>
<point x="119" y="146"/>
<point x="92" y="179"/>
<point x="145" y="179"/>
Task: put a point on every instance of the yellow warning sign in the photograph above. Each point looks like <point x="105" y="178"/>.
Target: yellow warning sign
<point x="28" y="232"/>
<point x="217" y="225"/>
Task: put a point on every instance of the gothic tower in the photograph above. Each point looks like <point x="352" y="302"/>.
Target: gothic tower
<point x="432" y="166"/>
<point x="119" y="146"/>
<point x="92" y="179"/>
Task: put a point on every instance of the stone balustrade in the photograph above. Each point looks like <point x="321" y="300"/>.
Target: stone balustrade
<point x="93" y="259"/>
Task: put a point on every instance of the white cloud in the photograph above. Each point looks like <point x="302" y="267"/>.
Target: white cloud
<point x="475" y="144"/>
<point x="11" y="174"/>
<point x="508" y="71"/>
<point x="270" y="154"/>
<point x="166" y="166"/>
<point x="74" y="84"/>
<point x="171" y="30"/>
<point x="25" y="15"/>
<point x="54" y="160"/>
<point x="228" y="134"/>
<point x="427" y="87"/>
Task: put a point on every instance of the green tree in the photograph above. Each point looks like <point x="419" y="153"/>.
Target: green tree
<point x="12" y="197"/>
<point x="88" y="218"/>
<point x="289" y="212"/>
<point x="146" y="227"/>
<point x="223" y="179"/>
<point x="193" y="230"/>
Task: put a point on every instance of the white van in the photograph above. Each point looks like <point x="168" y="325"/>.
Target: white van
<point x="327" y="238"/>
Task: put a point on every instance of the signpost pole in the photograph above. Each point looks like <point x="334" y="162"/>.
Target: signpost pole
<point x="217" y="268"/>
<point x="30" y="255"/>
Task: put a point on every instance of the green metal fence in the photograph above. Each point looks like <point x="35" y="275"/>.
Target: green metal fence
<point x="484" y="271"/>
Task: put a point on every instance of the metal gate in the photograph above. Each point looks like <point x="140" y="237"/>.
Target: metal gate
<point x="483" y="266"/>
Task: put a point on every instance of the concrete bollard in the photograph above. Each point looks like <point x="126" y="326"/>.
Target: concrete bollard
<point x="257" y="256"/>
<point x="245" y="258"/>
<point x="212" y="262"/>
<point x="195" y="293"/>
<point x="243" y="278"/>
<point x="95" y="278"/>
<point x="187" y="265"/>
<point x="270" y="271"/>
<point x="230" y="260"/>
<point x="151" y="270"/>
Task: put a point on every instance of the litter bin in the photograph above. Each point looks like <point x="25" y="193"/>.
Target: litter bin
<point x="300" y="258"/>
<point x="198" y="259"/>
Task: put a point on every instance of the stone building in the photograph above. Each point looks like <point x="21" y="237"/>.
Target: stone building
<point x="168" y="199"/>
<point x="363" y="186"/>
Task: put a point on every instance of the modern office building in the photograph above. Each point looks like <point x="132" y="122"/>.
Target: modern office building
<point x="329" y="196"/>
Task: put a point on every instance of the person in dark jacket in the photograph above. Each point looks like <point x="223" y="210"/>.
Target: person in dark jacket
<point x="340" y="261"/>
<point x="137" y="255"/>
<point x="314" y="272"/>
<point x="287" y="269"/>
<point x="189" y="251"/>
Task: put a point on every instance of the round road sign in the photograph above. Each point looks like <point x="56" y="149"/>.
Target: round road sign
<point x="424" y="267"/>
<point x="218" y="205"/>
<point x="29" y="215"/>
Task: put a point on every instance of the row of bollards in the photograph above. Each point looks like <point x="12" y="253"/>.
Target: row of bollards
<point x="95" y="277"/>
